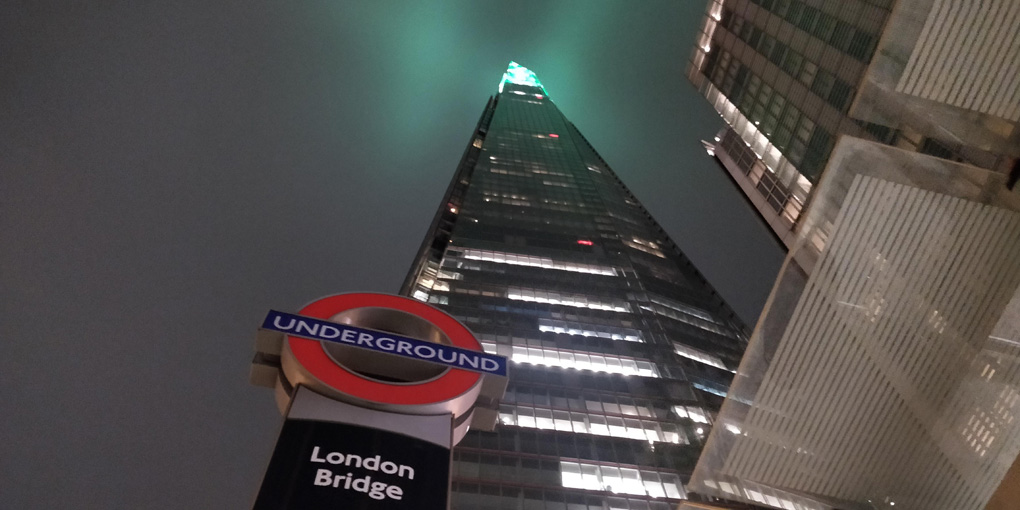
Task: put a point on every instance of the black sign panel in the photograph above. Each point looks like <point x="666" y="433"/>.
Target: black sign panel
<point x="319" y="465"/>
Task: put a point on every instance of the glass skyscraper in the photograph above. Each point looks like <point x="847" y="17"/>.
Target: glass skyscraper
<point x="790" y="77"/>
<point x="621" y="351"/>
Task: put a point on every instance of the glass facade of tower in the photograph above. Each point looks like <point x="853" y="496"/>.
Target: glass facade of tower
<point x="784" y="75"/>
<point x="621" y="351"/>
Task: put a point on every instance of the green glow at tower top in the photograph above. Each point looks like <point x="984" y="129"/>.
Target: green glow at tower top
<point x="520" y="75"/>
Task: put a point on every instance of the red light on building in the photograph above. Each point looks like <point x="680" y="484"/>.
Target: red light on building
<point x="553" y="135"/>
<point x="585" y="242"/>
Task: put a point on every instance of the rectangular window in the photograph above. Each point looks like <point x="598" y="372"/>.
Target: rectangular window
<point x="754" y="37"/>
<point x="774" y="113"/>
<point x="824" y="27"/>
<point x="790" y="118"/>
<point x="792" y="62"/>
<point x="745" y="32"/>
<point x="595" y="477"/>
<point x="804" y="129"/>
<point x="817" y="153"/>
<point x="781" y="138"/>
<point x="807" y="73"/>
<point x="726" y="18"/>
<point x="880" y="132"/>
<point x="823" y="84"/>
<point x="795" y="152"/>
<point x="840" y="38"/>
<point x="787" y="125"/>
<point x="862" y="45"/>
<point x="936" y="148"/>
<point x="767" y="44"/>
<point x="777" y="106"/>
<point x="753" y="86"/>
<point x="778" y="53"/>
<point x="781" y="8"/>
<point x="840" y="95"/>
<point x="821" y="140"/>
<point x="736" y="24"/>
<point x="808" y="16"/>
<point x="699" y="356"/>
<point x="793" y="13"/>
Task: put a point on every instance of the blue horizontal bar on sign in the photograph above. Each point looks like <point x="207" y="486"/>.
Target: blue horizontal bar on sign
<point x="326" y="331"/>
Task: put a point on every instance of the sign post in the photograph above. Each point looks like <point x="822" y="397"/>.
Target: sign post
<point x="334" y="455"/>
<point x="376" y="390"/>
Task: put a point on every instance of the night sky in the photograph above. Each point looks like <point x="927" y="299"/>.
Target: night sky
<point x="171" y="170"/>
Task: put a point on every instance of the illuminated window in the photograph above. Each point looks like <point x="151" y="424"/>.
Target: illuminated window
<point x="687" y="314"/>
<point x="701" y="357"/>
<point x="450" y="275"/>
<point x="556" y="298"/>
<point x="583" y="361"/>
<point x="620" y="480"/>
<point x="714" y="391"/>
<point x="694" y="413"/>
<point x="558" y="184"/>
<point x="577" y="328"/>
<point x="588" y="423"/>
<point x="515" y="259"/>
<point x="645" y="246"/>
<point x="504" y="171"/>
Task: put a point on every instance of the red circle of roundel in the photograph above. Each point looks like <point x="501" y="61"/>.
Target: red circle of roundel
<point x="313" y="357"/>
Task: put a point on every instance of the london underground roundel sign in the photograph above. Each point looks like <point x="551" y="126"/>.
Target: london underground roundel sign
<point x="308" y="361"/>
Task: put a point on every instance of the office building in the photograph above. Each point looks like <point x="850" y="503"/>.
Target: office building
<point x="879" y="141"/>
<point x="621" y="351"/>
<point x="790" y="77"/>
<point x="884" y="372"/>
